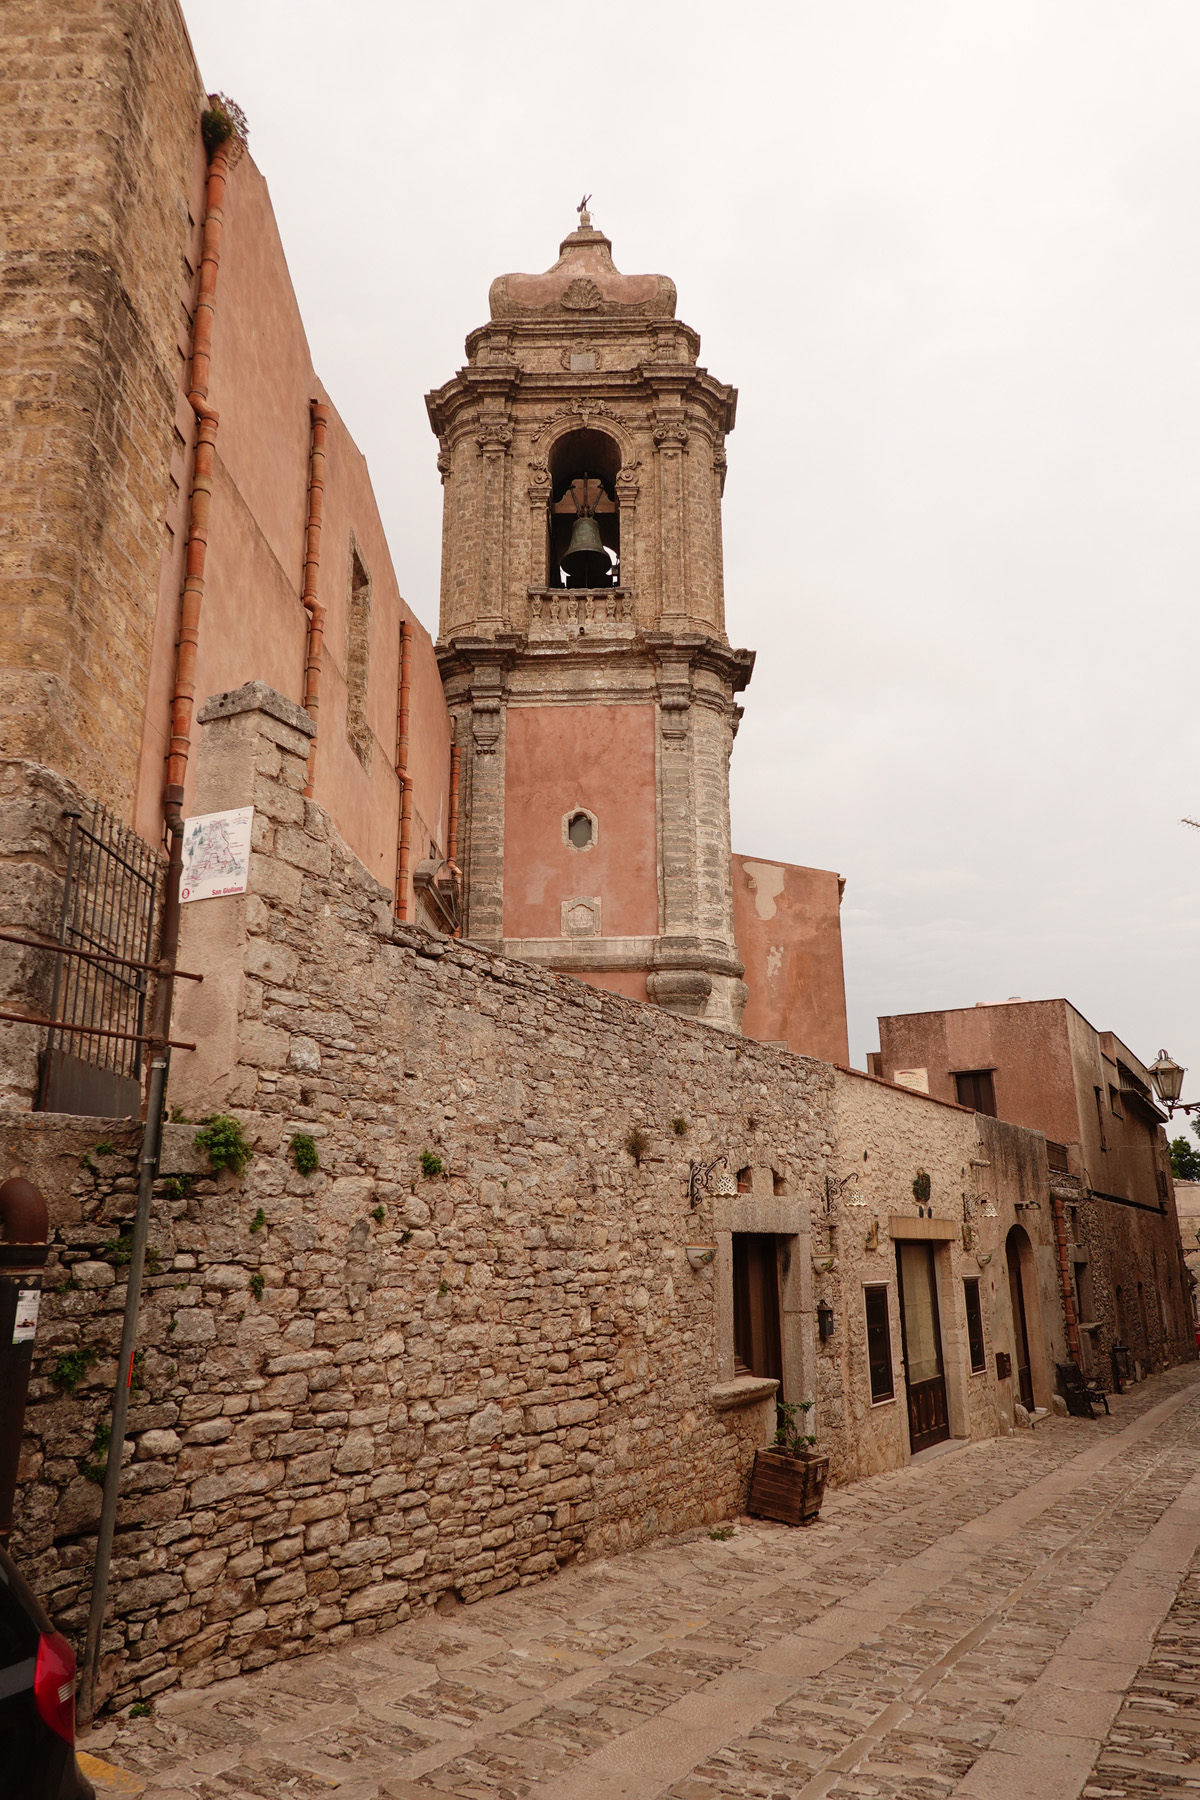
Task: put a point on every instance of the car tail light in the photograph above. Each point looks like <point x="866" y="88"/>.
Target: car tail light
<point x="54" y="1685"/>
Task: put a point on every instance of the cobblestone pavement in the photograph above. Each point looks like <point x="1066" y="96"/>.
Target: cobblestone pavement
<point x="1016" y="1620"/>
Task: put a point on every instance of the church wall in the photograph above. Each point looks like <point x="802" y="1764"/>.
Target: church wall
<point x="401" y="1383"/>
<point x="787" y="923"/>
<point x="558" y="759"/>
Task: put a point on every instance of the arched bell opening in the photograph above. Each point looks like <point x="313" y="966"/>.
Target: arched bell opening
<point x="585" y="522"/>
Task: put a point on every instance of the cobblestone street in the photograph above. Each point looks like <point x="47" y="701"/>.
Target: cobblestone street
<point x="1015" y="1620"/>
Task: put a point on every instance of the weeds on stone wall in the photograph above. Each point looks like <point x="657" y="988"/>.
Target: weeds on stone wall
<point x="224" y="1142"/>
<point x="303" y="1152"/>
<point x="72" y="1366"/>
<point x="257" y="1222"/>
<point x="431" y="1164"/>
<point x="637" y="1144"/>
<point x="679" y="1127"/>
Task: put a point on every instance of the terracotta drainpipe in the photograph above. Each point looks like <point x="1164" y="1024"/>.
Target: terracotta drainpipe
<point x="452" y="831"/>
<point x="404" y="850"/>
<point x="1074" y="1343"/>
<point x="312" y="568"/>
<point x="184" y="692"/>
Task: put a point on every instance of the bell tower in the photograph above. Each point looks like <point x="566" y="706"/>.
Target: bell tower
<point x="583" y="647"/>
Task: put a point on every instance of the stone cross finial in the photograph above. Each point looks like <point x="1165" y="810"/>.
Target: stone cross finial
<point x="585" y="218"/>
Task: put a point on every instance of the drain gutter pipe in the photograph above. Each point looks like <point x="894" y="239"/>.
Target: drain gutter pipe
<point x="404" y="848"/>
<point x="312" y="569"/>
<point x="182" y="704"/>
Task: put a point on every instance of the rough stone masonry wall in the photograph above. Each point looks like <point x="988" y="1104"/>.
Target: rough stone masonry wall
<point x="102" y="103"/>
<point x="368" y="1387"/>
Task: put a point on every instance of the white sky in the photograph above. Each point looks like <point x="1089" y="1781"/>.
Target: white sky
<point x="950" y="256"/>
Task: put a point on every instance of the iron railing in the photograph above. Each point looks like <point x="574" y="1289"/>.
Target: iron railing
<point x="93" y="1058"/>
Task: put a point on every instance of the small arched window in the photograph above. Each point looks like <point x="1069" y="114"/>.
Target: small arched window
<point x="580" y="829"/>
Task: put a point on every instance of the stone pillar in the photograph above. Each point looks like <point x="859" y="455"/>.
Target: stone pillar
<point x="493" y="438"/>
<point x="481" y="810"/>
<point x="671" y="441"/>
<point x="252" y="751"/>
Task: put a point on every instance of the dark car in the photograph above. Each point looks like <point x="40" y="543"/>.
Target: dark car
<point x="37" y="1699"/>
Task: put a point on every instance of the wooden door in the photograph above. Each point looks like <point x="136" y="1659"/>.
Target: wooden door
<point x="756" y="1343"/>
<point x="924" y="1373"/>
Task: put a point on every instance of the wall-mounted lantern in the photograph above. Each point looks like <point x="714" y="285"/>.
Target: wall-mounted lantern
<point x="824" y="1320"/>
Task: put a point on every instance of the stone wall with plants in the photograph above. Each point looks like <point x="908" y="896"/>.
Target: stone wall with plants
<point x="431" y="1328"/>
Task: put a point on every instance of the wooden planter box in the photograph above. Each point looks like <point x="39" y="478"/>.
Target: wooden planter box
<point x="787" y="1488"/>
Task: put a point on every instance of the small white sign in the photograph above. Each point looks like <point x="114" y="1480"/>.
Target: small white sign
<point x="25" y="1323"/>
<point x="216" y="854"/>
<point x="916" y="1079"/>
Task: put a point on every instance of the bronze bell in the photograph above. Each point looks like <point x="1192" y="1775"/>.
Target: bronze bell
<point x="585" y="558"/>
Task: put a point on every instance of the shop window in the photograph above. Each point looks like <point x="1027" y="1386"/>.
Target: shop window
<point x="977" y="1090"/>
<point x="879" y="1344"/>
<point x="974" y="1325"/>
<point x="756" y="1343"/>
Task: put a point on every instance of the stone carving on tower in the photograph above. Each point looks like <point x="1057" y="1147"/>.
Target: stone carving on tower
<point x="583" y="647"/>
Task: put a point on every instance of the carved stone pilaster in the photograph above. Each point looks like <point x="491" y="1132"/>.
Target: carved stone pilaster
<point x="670" y="439"/>
<point x="494" y="438"/>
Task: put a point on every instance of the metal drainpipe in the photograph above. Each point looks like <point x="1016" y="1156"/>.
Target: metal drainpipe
<point x="404" y="846"/>
<point x="1074" y="1342"/>
<point x="312" y="568"/>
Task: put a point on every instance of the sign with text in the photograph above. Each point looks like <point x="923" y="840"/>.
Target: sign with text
<point x="216" y="854"/>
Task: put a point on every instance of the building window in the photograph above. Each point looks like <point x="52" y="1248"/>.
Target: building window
<point x="757" y="1349"/>
<point x="974" y="1325"/>
<point x="1100" y="1118"/>
<point x="1056" y="1156"/>
<point x="580" y="830"/>
<point x="1114" y="1101"/>
<point x="977" y="1090"/>
<point x="745" y="1181"/>
<point x="879" y="1344"/>
<point x="358" y="650"/>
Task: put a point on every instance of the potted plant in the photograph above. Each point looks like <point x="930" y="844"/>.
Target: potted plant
<point x="788" y="1482"/>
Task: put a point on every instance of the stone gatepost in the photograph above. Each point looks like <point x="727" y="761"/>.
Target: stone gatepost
<point x="252" y="751"/>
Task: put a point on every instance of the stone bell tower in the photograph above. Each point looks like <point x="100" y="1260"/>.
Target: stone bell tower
<point x="583" y="646"/>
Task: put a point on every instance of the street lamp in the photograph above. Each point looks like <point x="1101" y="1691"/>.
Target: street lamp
<point x="1167" y="1077"/>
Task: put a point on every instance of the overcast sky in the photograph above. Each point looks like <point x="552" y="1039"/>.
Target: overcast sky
<point x="950" y="256"/>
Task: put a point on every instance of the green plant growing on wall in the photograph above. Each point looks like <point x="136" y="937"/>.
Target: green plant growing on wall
<point x="140" y="1709"/>
<point x="257" y="1222"/>
<point x="72" y="1366"/>
<point x="679" y="1127"/>
<point x="921" y="1188"/>
<point x="303" y="1151"/>
<point x="224" y="1141"/>
<point x="443" y="1288"/>
<point x="222" y="122"/>
<point x="177" y="1116"/>
<point x="105" y="1149"/>
<point x="177" y="1187"/>
<point x="431" y="1164"/>
<point x="137" y="1383"/>
<point x="405" y="1236"/>
<point x="379" y="1214"/>
<point x="637" y="1144"/>
<point x="90" y="1469"/>
<point x="257" y="1284"/>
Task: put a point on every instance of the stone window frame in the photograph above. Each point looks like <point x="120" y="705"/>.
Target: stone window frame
<point x="786" y="1218"/>
<point x="574" y="813"/>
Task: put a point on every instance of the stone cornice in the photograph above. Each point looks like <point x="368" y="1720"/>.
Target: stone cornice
<point x="658" y="390"/>
<point x="687" y="651"/>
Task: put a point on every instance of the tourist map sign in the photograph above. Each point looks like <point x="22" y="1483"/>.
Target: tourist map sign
<point x="216" y="854"/>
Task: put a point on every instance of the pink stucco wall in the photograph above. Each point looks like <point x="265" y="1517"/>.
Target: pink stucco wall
<point x="253" y="626"/>
<point x="787" y="922"/>
<point x="601" y="759"/>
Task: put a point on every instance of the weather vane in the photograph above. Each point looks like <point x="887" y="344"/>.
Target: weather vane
<point x="582" y="210"/>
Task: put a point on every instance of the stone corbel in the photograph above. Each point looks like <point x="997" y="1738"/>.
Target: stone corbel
<point x="493" y="435"/>
<point x="671" y="435"/>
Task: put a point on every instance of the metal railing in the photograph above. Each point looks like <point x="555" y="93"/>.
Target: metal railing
<point x="93" y="1058"/>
